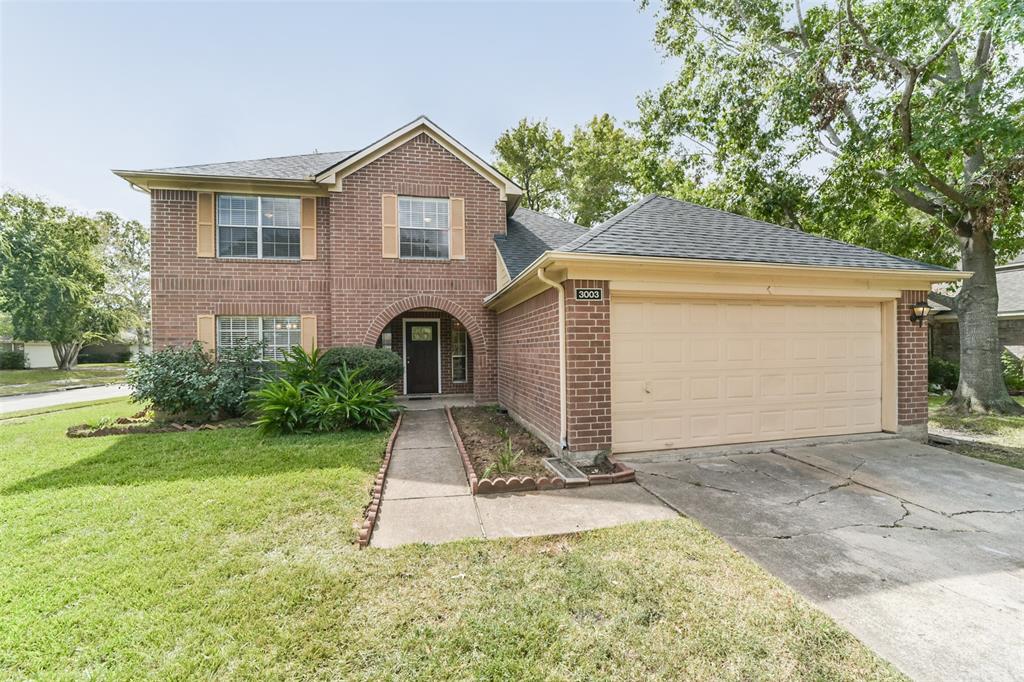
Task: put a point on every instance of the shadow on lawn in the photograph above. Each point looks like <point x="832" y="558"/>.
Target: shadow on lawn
<point x="202" y="455"/>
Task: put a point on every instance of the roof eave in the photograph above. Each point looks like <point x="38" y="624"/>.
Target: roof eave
<point x="149" y="180"/>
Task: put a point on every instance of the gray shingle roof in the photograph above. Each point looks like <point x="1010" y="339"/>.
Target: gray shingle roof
<point x="299" y="167"/>
<point x="668" y="228"/>
<point x="529" y="235"/>
<point x="1010" y="285"/>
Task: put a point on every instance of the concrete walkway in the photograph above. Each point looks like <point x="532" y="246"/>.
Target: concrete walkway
<point x="427" y="499"/>
<point x="17" y="403"/>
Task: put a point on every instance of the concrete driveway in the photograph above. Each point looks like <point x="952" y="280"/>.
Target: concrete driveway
<point x="17" y="403"/>
<point x="917" y="551"/>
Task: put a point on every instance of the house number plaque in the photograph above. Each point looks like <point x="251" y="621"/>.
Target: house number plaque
<point x="590" y="294"/>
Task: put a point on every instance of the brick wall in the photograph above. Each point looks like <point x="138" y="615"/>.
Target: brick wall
<point x="588" y="369"/>
<point x="528" y="382"/>
<point x="352" y="290"/>
<point x="445" y="325"/>
<point x="945" y="338"/>
<point x="911" y="364"/>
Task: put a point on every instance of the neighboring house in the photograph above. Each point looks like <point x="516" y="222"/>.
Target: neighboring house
<point x="38" y="354"/>
<point x="669" y="325"/>
<point x="945" y="331"/>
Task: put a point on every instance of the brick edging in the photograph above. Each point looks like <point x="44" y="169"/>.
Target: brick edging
<point x="503" y="484"/>
<point x="620" y="474"/>
<point x="372" y="509"/>
<point x="474" y="483"/>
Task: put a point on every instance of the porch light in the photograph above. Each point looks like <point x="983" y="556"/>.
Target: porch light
<point x="919" y="313"/>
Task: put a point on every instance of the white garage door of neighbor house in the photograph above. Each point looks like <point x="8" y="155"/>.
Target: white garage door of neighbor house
<point x="690" y="372"/>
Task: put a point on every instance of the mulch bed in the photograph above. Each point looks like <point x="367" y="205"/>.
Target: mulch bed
<point x="142" y="422"/>
<point x="479" y="426"/>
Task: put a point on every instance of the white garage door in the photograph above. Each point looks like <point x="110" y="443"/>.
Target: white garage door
<point x="689" y="372"/>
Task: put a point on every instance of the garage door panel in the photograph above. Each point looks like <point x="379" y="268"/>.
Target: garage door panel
<point x="700" y="372"/>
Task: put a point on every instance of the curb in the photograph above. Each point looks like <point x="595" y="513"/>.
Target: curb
<point x="372" y="509"/>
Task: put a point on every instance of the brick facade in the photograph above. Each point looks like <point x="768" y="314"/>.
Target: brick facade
<point x="528" y="381"/>
<point x="352" y="290"/>
<point x="446" y="325"/>
<point x="911" y="365"/>
<point x="944" y="337"/>
<point x="588" y="369"/>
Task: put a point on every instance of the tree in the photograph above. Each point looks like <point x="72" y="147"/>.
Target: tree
<point x="51" y="276"/>
<point x="600" y="171"/>
<point x="126" y="259"/>
<point x="534" y="156"/>
<point x="586" y="180"/>
<point x="863" y="110"/>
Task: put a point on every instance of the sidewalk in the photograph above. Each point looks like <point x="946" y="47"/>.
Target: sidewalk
<point x="17" y="403"/>
<point x="427" y="499"/>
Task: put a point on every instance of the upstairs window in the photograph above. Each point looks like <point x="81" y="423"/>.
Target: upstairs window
<point x="257" y="227"/>
<point x="423" y="228"/>
<point x="277" y="334"/>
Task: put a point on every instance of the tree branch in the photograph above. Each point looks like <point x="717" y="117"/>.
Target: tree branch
<point x="948" y="301"/>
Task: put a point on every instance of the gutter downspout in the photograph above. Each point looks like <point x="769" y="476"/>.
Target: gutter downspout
<point x="563" y="440"/>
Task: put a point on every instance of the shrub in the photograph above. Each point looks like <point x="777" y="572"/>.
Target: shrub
<point x="1013" y="372"/>
<point x="299" y="366"/>
<point x="189" y="385"/>
<point x="342" y="402"/>
<point x="506" y="460"/>
<point x="943" y="373"/>
<point x="380" y="364"/>
<point x="12" y="359"/>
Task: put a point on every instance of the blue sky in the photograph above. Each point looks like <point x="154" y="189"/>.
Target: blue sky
<point x="86" y="87"/>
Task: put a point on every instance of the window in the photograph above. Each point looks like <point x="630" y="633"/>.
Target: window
<point x="257" y="227"/>
<point x="423" y="228"/>
<point x="278" y="334"/>
<point x="385" y="339"/>
<point x="460" y="344"/>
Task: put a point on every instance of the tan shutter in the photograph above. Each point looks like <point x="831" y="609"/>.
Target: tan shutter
<point x="206" y="332"/>
<point x="308" y="333"/>
<point x="307" y="236"/>
<point x="389" y="225"/>
<point x="458" y="228"/>
<point x="204" y="225"/>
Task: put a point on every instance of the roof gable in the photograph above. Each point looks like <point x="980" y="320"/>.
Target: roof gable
<point x="336" y="172"/>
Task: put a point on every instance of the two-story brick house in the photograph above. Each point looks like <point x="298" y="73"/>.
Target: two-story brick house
<point x="669" y="325"/>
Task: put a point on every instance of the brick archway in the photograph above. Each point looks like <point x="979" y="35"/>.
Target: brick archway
<point x="476" y="334"/>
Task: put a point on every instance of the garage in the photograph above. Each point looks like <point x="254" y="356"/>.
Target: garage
<point x="688" y="372"/>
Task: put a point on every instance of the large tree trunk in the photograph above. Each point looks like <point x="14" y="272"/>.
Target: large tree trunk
<point x="66" y="354"/>
<point x="981" y="387"/>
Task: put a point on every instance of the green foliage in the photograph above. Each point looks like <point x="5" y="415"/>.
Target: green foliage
<point x="188" y="384"/>
<point x="299" y="366"/>
<point x="344" y="401"/>
<point x="12" y="359"/>
<point x="126" y="253"/>
<point x="943" y="373"/>
<point x="52" y="279"/>
<point x="373" y="363"/>
<point x="508" y="457"/>
<point x="587" y="180"/>
<point x="1013" y="372"/>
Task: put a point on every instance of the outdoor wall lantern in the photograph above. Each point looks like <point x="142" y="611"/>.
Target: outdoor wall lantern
<point x="919" y="313"/>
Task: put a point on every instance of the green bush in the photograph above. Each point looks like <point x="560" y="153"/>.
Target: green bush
<point x="380" y="364"/>
<point x="342" y="402"/>
<point x="943" y="373"/>
<point x="12" y="359"/>
<point x="187" y="384"/>
<point x="299" y="366"/>
<point x="1013" y="372"/>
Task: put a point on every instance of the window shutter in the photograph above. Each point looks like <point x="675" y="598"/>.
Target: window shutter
<point x="307" y="235"/>
<point x="204" y="225"/>
<point x="389" y="225"/>
<point x="458" y="228"/>
<point x="308" y="326"/>
<point x="206" y="332"/>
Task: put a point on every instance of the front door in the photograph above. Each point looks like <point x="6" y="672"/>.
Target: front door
<point x="421" y="344"/>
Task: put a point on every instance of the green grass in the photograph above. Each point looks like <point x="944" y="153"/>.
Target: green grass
<point x="221" y="555"/>
<point x="21" y="381"/>
<point x="1001" y="438"/>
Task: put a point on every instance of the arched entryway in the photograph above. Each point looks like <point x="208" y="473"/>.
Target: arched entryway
<point x="439" y="346"/>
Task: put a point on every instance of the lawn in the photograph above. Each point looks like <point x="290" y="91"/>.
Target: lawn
<point x="21" y="381"/>
<point x="999" y="439"/>
<point x="218" y="554"/>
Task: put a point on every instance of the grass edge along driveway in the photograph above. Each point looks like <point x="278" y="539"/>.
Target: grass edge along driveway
<point x="998" y="439"/>
<point x="24" y="381"/>
<point x="217" y="554"/>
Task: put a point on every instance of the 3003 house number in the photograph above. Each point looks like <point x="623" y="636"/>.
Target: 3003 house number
<point x="590" y="294"/>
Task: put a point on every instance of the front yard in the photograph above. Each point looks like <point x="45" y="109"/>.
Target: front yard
<point x="998" y="439"/>
<point x="220" y="554"/>
<point x="22" y="381"/>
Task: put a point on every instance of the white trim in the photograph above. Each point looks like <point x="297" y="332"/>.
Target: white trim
<point x="465" y="357"/>
<point x="259" y="225"/>
<point x="447" y="230"/>
<point x="405" y="348"/>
